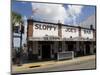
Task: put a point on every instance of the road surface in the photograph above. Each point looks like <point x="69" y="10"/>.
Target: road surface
<point x="62" y="67"/>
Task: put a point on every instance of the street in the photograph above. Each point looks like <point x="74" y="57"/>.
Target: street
<point x="78" y="66"/>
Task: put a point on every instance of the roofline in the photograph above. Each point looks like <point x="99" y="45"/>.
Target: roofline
<point x="61" y="24"/>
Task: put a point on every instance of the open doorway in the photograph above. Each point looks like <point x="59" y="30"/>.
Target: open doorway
<point x="70" y="47"/>
<point x="87" y="49"/>
<point x="46" y="51"/>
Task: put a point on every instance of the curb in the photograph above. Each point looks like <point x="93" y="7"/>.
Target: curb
<point x="52" y="63"/>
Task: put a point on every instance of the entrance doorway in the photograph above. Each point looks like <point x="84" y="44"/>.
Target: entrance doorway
<point x="87" y="49"/>
<point x="46" y="51"/>
<point x="70" y="47"/>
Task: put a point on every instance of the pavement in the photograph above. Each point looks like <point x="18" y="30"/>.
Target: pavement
<point x="52" y="63"/>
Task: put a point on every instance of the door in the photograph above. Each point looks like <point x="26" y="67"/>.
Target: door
<point x="87" y="49"/>
<point x="46" y="51"/>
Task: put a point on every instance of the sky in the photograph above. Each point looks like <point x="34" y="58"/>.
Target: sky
<point x="65" y="13"/>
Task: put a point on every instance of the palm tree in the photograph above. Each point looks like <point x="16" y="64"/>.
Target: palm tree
<point x="16" y="19"/>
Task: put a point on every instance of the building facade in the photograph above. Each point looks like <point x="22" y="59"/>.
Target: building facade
<point x="45" y="40"/>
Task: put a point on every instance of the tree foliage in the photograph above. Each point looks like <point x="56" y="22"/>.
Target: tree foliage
<point x="15" y="18"/>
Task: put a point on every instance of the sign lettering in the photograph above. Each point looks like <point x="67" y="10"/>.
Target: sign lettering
<point x="70" y="30"/>
<point x="87" y="31"/>
<point x="45" y="27"/>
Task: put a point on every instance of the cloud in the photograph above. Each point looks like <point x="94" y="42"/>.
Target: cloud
<point x="74" y="11"/>
<point x="49" y="12"/>
<point x="55" y="12"/>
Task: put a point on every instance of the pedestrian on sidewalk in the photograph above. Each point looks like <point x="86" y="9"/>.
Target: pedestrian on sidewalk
<point x="24" y="53"/>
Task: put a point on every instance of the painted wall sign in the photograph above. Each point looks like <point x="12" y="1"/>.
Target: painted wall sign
<point x="42" y="30"/>
<point x="45" y="27"/>
<point x="87" y="33"/>
<point x="68" y="32"/>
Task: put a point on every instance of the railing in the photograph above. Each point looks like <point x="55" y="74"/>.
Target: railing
<point x="65" y="55"/>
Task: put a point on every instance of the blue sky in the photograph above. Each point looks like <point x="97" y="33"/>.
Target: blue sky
<point x="67" y="14"/>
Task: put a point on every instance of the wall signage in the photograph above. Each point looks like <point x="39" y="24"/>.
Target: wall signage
<point x="42" y="29"/>
<point x="45" y="27"/>
<point x="52" y="27"/>
<point x="87" y="31"/>
<point x="70" y="30"/>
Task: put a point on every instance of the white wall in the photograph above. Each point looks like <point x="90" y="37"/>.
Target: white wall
<point x="16" y="42"/>
<point x="66" y="33"/>
<point x="42" y="33"/>
<point x="87" y="35"/>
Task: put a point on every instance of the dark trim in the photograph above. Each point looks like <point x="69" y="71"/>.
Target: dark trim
<point x="60" y="30"/>
<point x="27" y="30"/>
<point x="70" y="42"/>
<point x="45" y="42"/>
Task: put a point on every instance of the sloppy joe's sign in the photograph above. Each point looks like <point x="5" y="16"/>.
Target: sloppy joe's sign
<point x="43" y="29"/>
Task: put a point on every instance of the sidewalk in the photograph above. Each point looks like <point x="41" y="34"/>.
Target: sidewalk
<point x="45" y="64"/>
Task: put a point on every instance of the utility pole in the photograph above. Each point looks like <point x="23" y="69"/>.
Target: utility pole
<point x="21" y="32"/>
<point x="21" y="35"/>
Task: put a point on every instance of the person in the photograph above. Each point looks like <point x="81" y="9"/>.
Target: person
<point x="24" y="53"/>
<point x="30" y="53"/>
<point x="18" y="55"/>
